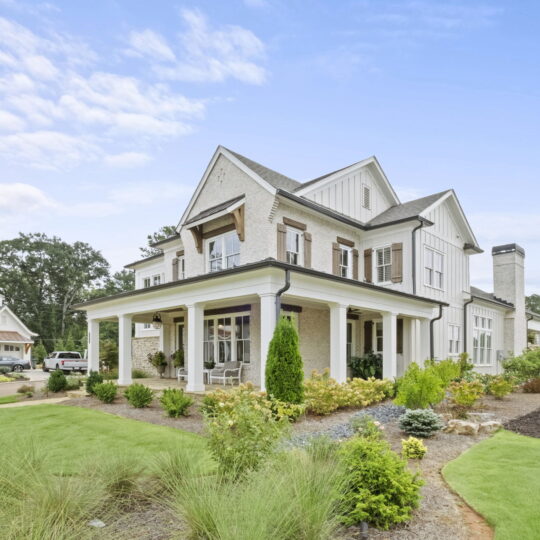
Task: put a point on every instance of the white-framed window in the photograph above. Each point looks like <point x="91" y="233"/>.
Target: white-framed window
<point x="433" y="268"/>
<point x="181" y="268"/>
<point x="345" y="261"/>
<point x="383" y="264"/>
<point x="156" y="279"/>
<point x="147" y="282"/>
<point x="11" y="348"/>
<point x="351" y="328"/>
<point x="227" y="338"/>
<point x="223" y="251"/>
<point x="482" y="340"/>
<point x="294" y="246"/>
<point x="454" y="338"/>
<point x="366" y="197"/>
<point x="147" y="326"/>
<point x="378" y="329"/>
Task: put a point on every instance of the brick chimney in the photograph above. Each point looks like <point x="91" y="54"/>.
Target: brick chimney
<point x="509" y="285"/>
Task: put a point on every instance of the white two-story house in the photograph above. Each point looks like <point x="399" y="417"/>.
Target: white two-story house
<point x="354" y="268"/>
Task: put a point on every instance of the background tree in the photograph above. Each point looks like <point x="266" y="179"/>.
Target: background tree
<point x="39" y="352"/>
<point x="533" y="303"/>
<point x="284" y="366"/>
<point x="161" y="234"/>
<point x="108" y="354"/>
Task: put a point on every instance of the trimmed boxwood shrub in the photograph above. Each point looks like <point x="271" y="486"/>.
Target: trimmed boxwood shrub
<point x="105" y="391"/>
<point x="94" y="377"/>
<point x="57" y="381"/>
<point x="139" y="395"/>
<point x="420" y="423"/>
<point x="175" y="403"/>
<point x="284" y="367"/>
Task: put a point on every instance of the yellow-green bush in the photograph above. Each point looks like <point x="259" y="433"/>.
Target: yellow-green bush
<point x="413" y="448"/>
<point x="466" y="394"/>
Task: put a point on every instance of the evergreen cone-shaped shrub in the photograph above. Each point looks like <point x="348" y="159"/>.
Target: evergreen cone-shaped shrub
<point x="284" y="366"/>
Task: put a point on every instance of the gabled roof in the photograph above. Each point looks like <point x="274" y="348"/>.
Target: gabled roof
<point x="490" y="297"/>
<point x="25" y="328"/>
<point x="406" y="210"/>
<point x="214" y="209"/>
<point x="13" y="337"/>
<point x="145" y="260"/>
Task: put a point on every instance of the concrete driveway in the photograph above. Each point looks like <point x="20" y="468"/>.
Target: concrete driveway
<point x="38" y="379"/>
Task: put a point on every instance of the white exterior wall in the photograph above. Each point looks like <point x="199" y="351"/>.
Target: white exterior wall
<point x="148" y="270"/>
<point x="11" y="323"/>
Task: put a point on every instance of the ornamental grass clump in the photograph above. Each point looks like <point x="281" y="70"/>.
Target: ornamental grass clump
<point x="419" y="388"/>
<point x="284" y="366"/>
<point x="420" y="423"/>
<point x="413" y="448"/>
<point x="378" y="487"/>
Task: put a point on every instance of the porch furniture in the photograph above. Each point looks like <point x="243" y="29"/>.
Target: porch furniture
<point x="230" y="371"/>
<point x="206" y="375"/>
<point x="182" y="374"/>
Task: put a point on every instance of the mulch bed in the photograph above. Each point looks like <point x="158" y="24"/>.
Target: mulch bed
<point x="529" y="424"/>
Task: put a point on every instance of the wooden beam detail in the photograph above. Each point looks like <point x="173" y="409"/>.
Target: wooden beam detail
<point x="197" y="236"/>
<point x="239" y="223"/>
<point x="294" y="223"/>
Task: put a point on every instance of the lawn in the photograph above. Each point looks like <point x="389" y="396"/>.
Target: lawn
<point x="4" y="400"/>
<point x="499" y="478"/>
<point x="71" y="436"/>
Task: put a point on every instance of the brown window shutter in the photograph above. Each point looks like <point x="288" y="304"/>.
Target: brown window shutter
<point x="368" y="336"/>
<point x="368" y="268"/>
<point x="175" y="269"/>
<point x="399" y="337"/>
<point x="355" y="264"/>
<point x="335" y="258"/>
<point x="397" y="262"/>
<point x="281" y="242"/>
<point x="307" y="250"/>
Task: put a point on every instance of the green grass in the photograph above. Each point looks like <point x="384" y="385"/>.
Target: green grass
<point x="499" y="478"/>
<point x="71" y="436"/>
<point x="10" y="399"/>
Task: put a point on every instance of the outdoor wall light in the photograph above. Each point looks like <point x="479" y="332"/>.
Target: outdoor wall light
<point x="156" y="321"/>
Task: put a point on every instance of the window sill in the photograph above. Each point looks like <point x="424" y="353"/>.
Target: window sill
<point x="434" y="288"/>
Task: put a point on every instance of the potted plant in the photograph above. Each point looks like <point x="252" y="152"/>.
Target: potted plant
<point x="210" y="364"/>
<point x="178" y="358"/>
<point x="159" y="361"/>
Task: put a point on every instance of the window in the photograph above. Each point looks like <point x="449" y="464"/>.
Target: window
<point x="156" y="280"/>
<point x="345" y="261"/>
<point x="222" y="344"/>
<point x="223" y="252"/>
<point x="383" y="262"/>
<point x="366" y="197"/>
<point x="181" y="268"/>
<point x="147" y="326"/>
<point x="11" y="348"/>
<point x="147" y="282"/>
<point x="433" y="268"/>
<point x="350" y="339"/>
<point x="378" y="337"/>
<point x="294" y="246"/>
<point x="453" y="339"/>
<point x="482" y="340"/>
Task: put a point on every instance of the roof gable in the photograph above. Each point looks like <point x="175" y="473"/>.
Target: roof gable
<point x="5" y="310"/>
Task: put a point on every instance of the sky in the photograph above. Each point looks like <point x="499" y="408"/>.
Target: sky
<point x="111" y="110"/>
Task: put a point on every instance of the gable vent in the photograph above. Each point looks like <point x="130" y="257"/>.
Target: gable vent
<point x="366" y="197"/>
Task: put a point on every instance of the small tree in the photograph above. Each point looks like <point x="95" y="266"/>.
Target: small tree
<point x="40" y="352"/>
<point x="108" y="354"/>
<point x="284" y="366"/>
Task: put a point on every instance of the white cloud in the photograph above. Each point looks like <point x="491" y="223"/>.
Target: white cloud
<point x="16" y="196"/>
<point x="11" y="122"/>
<point x="127" y="159"/>
<point x="40" y="67"/>
<point x="150" y="43"/>
<point x="407" y="193"/>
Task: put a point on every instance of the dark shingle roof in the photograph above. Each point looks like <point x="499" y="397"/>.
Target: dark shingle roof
<point x="278" y="180"/>
<point x="214" y="209"/>
<point x="406" y="210"/>
<point x="490" y="297"/>
<point x="146" y="259"/>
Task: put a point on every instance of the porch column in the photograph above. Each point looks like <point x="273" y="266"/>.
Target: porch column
<point x="195" y="329"/>
<point x="124" y="350"/>
<point x="268" y="324"/>
<point x="165" y="342"/>
<point x="338" y="342"/>
<point x="389" y="345"/>
<point x="93" y="345"/>
<point x="424" y="341"/>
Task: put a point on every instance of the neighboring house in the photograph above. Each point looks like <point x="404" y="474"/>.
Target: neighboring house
<point x="353" y="267"/>
<point x="533" y="327"/>
<point x="15" y="338"/>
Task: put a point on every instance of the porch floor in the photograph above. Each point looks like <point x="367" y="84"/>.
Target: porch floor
<point x="156" y="383"/>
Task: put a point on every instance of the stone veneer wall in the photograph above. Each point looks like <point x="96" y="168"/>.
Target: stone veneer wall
<point x="140" y="348"/>
<point x="314" y="334"/>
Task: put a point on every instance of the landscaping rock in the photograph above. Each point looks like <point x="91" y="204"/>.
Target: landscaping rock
<point x="462" y="427"/>
<point x="96" y="523"/>
<point x="480" y="416"/>
<point x="489" y="427"/>
<point x="446" y="417"/>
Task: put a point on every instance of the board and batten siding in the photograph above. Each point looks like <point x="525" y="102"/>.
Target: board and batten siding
<point x="344" y="195"/>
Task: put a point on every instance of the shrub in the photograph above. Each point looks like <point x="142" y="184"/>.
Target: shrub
<point x="532" y="386"/>
<point x="500" y="387"/>
<point x="175" y="402"/>
<point x="57" y="381"/>
<point x="73" y="383"/>
<point x="138" y="374"/>
<point x="369" y="365"/>
<point x="18" y="376"/>
<point x="105" y="391"/>
<point x="4" y="379"/>
<point x="178" y="358"/>
<point x="93" y="378"/>
<point x="138" y="395"/>
<point x="26" y="389"/>
<point x="413" y="448"/>
<point x="447" y="370"/>
<point x="4" y="370"/>
<point x="524" y="367"/>
<point x="464" y="365"/>
<point x="420" y="423"/>
<point x="466" y="394"/>
<point x="365" y="426"/>
<point x="419" y="388"/>
<point x="110" y="374"/>
<point x="378" y="486"/>
<point x="240" y="438"/>
<point x="284" y="367"/>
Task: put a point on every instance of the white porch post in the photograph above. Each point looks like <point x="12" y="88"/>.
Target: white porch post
<point x="389" y="345"/>
<point x="338" y="342"/>
<point x="195" y="329"/>
<point x="93" y="345"/>
<point x="124" y="350"/>
<point x="424" y="341"/>
<point x="165" y="341"/>
<point x="268" y="325"/>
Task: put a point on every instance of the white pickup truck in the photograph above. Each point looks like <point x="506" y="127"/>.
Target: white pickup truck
<point x="66" y="361"/>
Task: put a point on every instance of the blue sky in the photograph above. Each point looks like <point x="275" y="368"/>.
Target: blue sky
<point x="110" y="110"/>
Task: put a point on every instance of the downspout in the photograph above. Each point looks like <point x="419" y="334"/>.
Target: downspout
<point x="281" y="291"/>
<point x="431" y="340"/>
<point x="465" y="332"/>
<point x="414" y="255"/>
<point x="529" y="318"/>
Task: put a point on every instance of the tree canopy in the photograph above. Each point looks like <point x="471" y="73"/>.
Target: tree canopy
<point x="161" y="234"/>
<point x="533" y="302"/>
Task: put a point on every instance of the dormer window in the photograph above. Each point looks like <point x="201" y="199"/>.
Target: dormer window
<point x="366" y="197"/>
<point x="223" y="251"/>
<point x="294" y="246"/>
